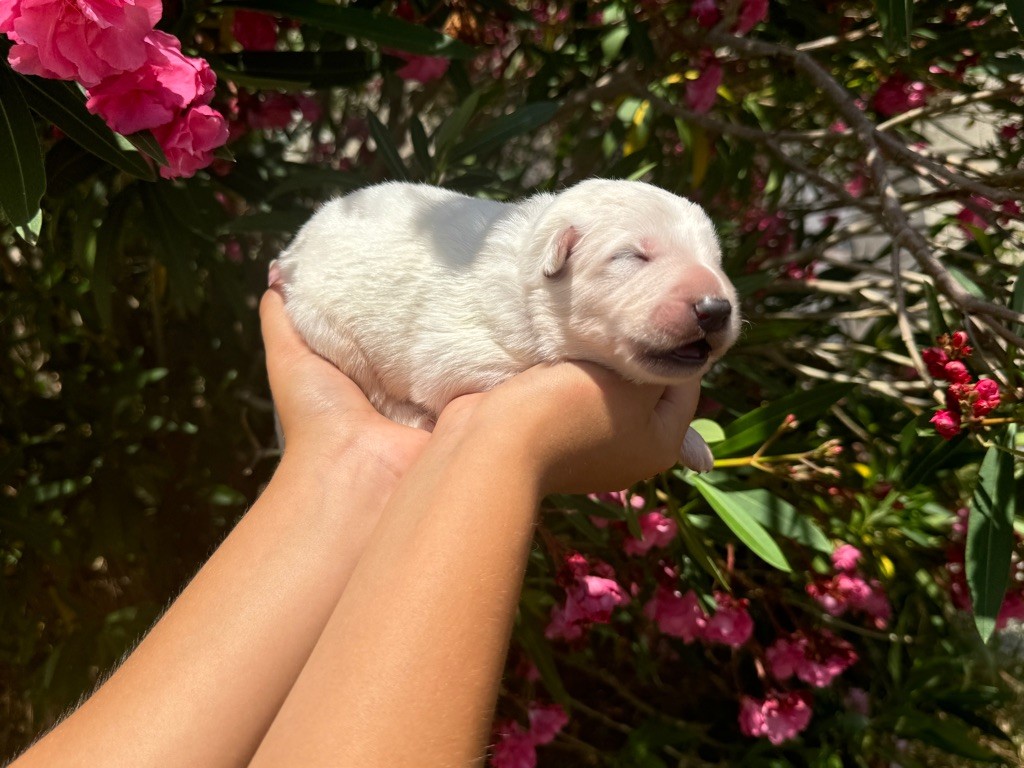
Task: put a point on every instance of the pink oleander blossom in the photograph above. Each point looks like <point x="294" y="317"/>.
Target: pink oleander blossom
<point x="844" y="592"/>
<point x="956" y="372"/>
<point x="590" y="598"/>
<point x="706" y="12"/>
<point x="731" y="624"/>
<point x="677" y="615"/>
<point x="780" y="716"/>
<point x="947" y="423"/>
<point x="656" y="530"/>
<point x="422" y="69"/>
<point x="254" y="31"/>
<point x="514" y="748"/>
<point x="935" y="359"/>
<point x="752" y="13"/>
<point x="701" y="93"/>
<point x="845" y="558"/>
<point x="155" y="92"/>
<point x="899" y="94"/>
<point x="816" y="659"/>
<point x="987" y="392"/>
<point x="546" y="721"/>
<point x="83" y="40"/>
<point x="189" y="141"/>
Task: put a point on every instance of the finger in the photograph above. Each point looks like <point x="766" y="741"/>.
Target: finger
<point x="280" y="338"/>
<point x="677" y="407"/>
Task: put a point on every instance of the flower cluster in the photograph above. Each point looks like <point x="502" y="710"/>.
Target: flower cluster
<point x="966" y="400"/>
<point x="591" y="593"/>
<point x="814" y="657"/>
<point x="516" y="747"/>
<point x="847" y="589"/>
<point x="779" y="716"/>
<point x="679" y="615"/>
<point x="899" y="94"/>
<point x="702" y="91"/>
<point x="136" y="77"/>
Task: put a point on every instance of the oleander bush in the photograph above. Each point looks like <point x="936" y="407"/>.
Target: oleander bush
<point x="844" y="589"/>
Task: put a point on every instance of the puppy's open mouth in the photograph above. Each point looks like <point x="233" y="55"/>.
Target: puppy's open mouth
<point x="691" y="354"/>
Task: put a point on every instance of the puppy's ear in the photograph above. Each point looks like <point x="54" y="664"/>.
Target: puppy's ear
<point x="559" y="249"/>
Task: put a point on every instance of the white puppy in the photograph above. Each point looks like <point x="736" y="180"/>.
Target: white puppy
<point x="420" y="294"/>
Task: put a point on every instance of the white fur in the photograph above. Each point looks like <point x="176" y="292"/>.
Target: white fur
<point x="420" y="294"/>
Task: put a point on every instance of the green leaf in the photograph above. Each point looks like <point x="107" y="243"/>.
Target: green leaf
<point x="64" y="105"/>
<point x="1016" y="9"/>
<point x="29" y="232"/>
<point x="386" y="148"/>
<point x="774" y="513"/>
<point x="709" y="430"/>
<point x="453" y="125"/>
<point x="752" y="429"/>
<point x="1017" y="300"/>
<point x="271" y="221"/>
<point x="949" y="734"/>
<point x="895" y="17"/>
<point x="735" y="514"/>
<point x="363" y="25"/>
<point x="499" y="131"/>
<point x="945" y="454"/>
<point x="990" y="535"/>
<point x="146" y="143"/>
<point x="421" y="146"/>
<point x="21" y="162"/>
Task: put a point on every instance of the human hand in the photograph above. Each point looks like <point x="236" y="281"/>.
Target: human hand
<point x="323" y="413"/>
<point x="578" y="427"/>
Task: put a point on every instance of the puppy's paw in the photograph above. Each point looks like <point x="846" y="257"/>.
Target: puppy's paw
<point x="695" y="453"/>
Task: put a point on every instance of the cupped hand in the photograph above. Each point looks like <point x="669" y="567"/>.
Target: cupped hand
<point x="578" y="427"/>
<point x="322" y="411"/>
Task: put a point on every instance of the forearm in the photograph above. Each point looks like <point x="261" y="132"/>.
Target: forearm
<point x="206" y="682"/>
<point x="406" y="671"/>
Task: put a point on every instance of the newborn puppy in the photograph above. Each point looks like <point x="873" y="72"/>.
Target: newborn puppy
<point x="420" y="294"/>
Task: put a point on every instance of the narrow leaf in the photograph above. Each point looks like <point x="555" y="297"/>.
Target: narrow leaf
<point x="21" y="162"/>
<point x="1016" y="9"/>
<point x="735" y="515"/>
<point x="386" y="148"/>
<point x="498" y="132"/>
<point x="990" y="535"/>
<point x="363" y="25"/>
<point x="453" y="126"/>
<point x="64" y="105"/>
<point x="752" y="429"/>
<point x="146" y="143"/>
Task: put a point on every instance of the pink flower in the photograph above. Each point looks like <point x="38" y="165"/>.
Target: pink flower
<point x="589" y="599"/>
<point x="899" y="94"/>
<point x="701" y="93"/>
<point x="844" y="591"/>
<point x="422" y="69"/>
<point x="845" y="558"/>
<point x="987" y="392"/>
<point x="706" y="12"/>
<point x="958" y="339"/>
<point x="947" y="424"/>
<point x="676" y="615"/>
<point x="619" y="499"/>
<point x="936" y="360"/>
<point x="752" y="13"/>
<point x="514" y="748"/>
<point x="153" y="94"/>
<point x="656" y="530"/>
<point x="546" y="721"/>
<point x="254" y="31"/>
<point x="779" y="717"/>
<point x="956" y="372"/>
<point x="731" y="623"/>
<point x="190" y="140"/>
<point x="83" y="40"/>
<point x="816" y="659"/>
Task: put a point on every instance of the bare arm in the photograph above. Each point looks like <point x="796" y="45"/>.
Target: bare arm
<point x="407" y="670"/>
<point x="204" y="685"/>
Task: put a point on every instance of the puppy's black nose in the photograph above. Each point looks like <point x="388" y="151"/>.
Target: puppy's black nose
<point x="712" y="314"/>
